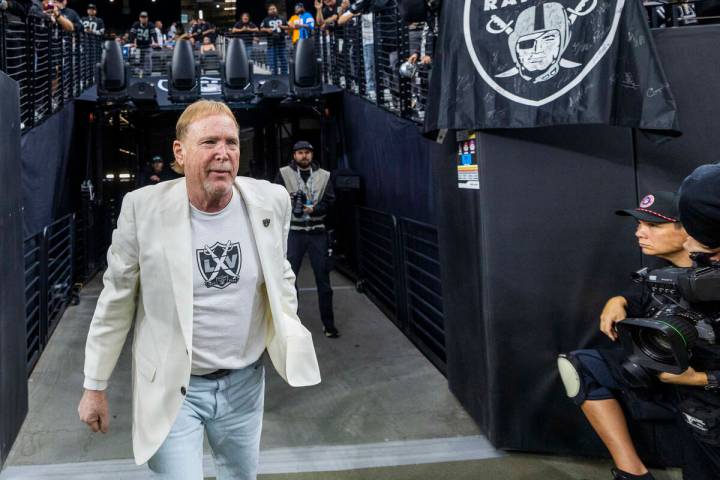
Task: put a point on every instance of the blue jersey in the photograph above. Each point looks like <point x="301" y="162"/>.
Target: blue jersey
<point x="308" y="20"/>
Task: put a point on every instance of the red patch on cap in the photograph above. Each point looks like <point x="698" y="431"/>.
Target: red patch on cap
<point x="647" y="201"/>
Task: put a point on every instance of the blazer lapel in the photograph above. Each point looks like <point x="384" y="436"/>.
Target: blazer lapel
<point x="179" y="256"/>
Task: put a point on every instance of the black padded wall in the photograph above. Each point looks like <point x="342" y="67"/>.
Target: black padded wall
<point x="692" y="62"/>
<point x="541" y="252"/>
<point x="13" y="372"/>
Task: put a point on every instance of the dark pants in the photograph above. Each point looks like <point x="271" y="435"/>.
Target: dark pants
<point x="316" y="246"/>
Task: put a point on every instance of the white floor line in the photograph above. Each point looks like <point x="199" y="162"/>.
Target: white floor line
<point x="286" y="460"/>
<point x="313" y="289"/>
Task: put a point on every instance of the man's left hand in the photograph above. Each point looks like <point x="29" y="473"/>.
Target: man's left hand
<point x="308" y="210"/>
<point x="688" y="377"/>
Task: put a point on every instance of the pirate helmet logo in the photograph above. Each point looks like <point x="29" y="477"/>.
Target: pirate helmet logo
<point x="520" y="47"/>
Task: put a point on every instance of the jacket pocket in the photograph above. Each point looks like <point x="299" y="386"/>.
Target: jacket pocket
<point x="145" y="367"/>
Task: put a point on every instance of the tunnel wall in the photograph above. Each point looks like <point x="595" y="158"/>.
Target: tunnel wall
<point x="393" y="160"/>
<point x="529" y="259"/>
<point x="13" y="376"/>
<point x="544" y="251"/>
<point x="45" y="157"/>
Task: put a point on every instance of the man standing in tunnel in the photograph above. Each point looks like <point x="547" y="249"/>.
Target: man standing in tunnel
<point x="312" y="196"/>
<point x="197" y="268"/>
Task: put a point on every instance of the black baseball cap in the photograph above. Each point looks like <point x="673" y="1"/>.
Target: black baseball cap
<point x="302" y="144"/>
<point x="699" y="205"/>
<point x="156" y="158"/>
<point x="91" y="5"/>
<point x="657" y="207"/>
<point x="143" y="14"/>
<point x="299" y="5"/>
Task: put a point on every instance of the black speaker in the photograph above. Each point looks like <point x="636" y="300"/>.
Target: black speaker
<point x="305" y="69"/>
<point x="143" y="95"/>
<point x="183" y="74"/>
<point x="236" y="73"/>
<point x="275" y="87"/>
<point x="113" y="75"/>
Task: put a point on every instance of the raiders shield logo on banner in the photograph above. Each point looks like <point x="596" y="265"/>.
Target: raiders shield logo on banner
<point x="220" y="264"/>
<point x="535" y="51"/>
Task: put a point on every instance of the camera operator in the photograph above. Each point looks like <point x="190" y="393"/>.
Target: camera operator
<point x="595" y="382"/>
<point x="312" y="195"/>
<point x="699" y="208"/>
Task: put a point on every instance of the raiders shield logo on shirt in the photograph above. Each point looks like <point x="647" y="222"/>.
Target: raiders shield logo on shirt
<point x="219" y="264"/>
<point x="540" y="49"/>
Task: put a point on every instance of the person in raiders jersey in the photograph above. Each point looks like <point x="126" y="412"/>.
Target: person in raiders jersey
<point x="275" y="27"/>
<point x="92" y="23"/>
<point x="142" y="34"/>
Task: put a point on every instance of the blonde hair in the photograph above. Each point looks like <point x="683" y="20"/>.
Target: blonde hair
<point x="195" y="112"/>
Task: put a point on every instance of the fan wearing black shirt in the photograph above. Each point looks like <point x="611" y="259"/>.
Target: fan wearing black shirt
<point x="71" y="15"/>
<point x="659" y="234"/>
<point x="142" y="35"/>
<point x="91" y="23"/>
<point x="327" y="13"/>
<point x="275" y="26"/>
<point x="246" y="30"/>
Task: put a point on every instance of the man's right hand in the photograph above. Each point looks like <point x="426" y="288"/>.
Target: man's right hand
<point x="413" y="58"/>
<point x="93" y="410"/>
<point x="613" y="312"/>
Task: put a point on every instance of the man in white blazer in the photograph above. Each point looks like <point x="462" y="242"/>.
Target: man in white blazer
<point x="199" y="265"/>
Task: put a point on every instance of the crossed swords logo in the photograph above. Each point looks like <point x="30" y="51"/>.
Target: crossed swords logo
<point x="220" y="264"/>
<point x="497" y="26"/>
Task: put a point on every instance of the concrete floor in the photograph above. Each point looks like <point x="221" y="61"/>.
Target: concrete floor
<point x="381" y="410"/>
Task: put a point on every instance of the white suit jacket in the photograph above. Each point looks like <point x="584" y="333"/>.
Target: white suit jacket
<point x="149" y="280"/>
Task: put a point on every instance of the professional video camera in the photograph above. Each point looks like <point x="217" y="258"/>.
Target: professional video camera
<point x="299" y="199"/>
<point x="684" y="324"/>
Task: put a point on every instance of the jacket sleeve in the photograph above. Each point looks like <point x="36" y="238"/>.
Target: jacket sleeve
<point x="116" y="306"/>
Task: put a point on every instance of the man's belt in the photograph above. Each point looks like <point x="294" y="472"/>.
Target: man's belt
<point x="216" y="374"/>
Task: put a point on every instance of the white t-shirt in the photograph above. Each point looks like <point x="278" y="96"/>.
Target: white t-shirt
<point x="228" y="305"/>
<point x="367" y="28"/>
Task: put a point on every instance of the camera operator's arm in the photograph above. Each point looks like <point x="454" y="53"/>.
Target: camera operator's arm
<point x="615" y="310"/>
<point x="326" y="202"/>
<point x="689" y="377"/>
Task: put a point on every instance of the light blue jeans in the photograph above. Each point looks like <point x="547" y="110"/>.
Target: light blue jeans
<point x="230" y="410"/>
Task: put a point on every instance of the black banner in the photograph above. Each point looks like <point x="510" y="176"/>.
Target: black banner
<point x="530" y="63"/>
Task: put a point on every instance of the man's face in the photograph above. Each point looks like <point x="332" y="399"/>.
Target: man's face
<point x="158" y="24"/>
<point x="329" y="3"/>
<point x="157" y="167"/>
<point x="144" y="20"/>
<point x="210" y="155"/>
<point x="538" y="51"/>
<point x="299" y="10"/>
<point x="91" y="12"/>
<point x="303" y="157"/>
<point x="660" y="239"/>
<point x="272" y="11"/>
<point x="246" y="18"/>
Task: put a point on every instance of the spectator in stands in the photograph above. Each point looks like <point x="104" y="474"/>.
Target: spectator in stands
<point x="160" y="37"/>
<point x="327" y="13"/>
<point x="207" y="45"/>
<point x="275" y="26"/>
<point x="246" y="30"/>
<point x="142" y="36"/>
<point x="172" y="31"/>
<point x="301" y="24"/>
<point x="352" y="10"/>
<point x="207" y="29"/>
<point x="54" y="12"/>
<point x="91" y="23"/>
<point x="71" y="15"/>
<point x="195" y="31"/>
<point x="157" y="172"/>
